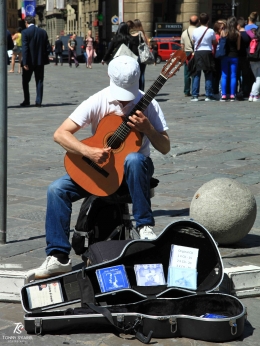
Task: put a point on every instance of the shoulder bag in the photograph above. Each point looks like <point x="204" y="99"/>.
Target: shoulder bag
<point x="191" y="64"/>
<point x="146" y="56"/>
<point x="221" y="48"/>
<point x="124" y="50"/>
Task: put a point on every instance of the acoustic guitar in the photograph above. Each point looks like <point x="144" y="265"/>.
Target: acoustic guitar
<point x="113" y="131"/>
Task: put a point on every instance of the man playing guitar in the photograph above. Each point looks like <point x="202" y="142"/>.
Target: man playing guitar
<point x="119" y="98"/>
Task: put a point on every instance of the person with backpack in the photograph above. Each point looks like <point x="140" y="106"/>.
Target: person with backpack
<point x="119" y="98"/>
<point x="254" y="58"/>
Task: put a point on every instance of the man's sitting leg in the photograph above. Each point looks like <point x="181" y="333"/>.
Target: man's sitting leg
<point x="60" y="195"/>
<point x="138" y="171"/>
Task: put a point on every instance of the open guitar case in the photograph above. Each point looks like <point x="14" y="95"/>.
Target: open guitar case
<point x="146" y="311"/>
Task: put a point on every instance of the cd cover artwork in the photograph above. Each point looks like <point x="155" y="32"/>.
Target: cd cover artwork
<point x="112" y="278"/>
<point x="149" y="274"/>
<point x="182" y="277"/>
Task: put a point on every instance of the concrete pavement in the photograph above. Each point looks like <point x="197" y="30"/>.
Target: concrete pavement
<point x="208" y="140"/>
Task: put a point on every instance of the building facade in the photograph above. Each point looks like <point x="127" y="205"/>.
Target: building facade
<point x="12" y="16"/>
<point x="79" y="16"/>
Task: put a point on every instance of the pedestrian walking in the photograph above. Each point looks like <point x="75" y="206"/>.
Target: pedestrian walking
<point x="85" y="50"/>
<point x="154" y="48"/>
<point x="35" y="50"/>
<point x="188" y="47"/>
<point x="10" y="44"/>
<point x="58" y="49"/>
<point x="17" y="50"/>
<point x="90" y="48"/>
<point x="72" y="45"/>
<point x="229" y="63"/>
<point x="203" y="39"/>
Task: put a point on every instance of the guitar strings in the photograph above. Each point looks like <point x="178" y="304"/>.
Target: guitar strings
<point x="123" y="130"/>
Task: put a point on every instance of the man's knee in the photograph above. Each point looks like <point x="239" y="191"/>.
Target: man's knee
<point x="134" y="158"/>
<point x="55" y="188"/>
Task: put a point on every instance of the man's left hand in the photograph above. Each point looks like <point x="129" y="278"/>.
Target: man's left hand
<point x="26" y="67"/>
<point x="139" y="122"/>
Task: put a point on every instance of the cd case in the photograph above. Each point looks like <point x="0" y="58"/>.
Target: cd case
<point x="182" y="277"/>
<point x="149" y="274"/>
<point x="44" y="294"/>
<point x="183" y="257"/>
<point x="112" y="278"/>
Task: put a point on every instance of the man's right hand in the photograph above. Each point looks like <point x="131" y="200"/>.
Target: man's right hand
<point x="98" y="155"/>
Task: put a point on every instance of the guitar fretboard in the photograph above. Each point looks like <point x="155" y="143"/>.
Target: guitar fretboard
<point x="123" y="130"/>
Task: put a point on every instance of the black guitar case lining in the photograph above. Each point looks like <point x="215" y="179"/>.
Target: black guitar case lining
<point x="165" y="311"/>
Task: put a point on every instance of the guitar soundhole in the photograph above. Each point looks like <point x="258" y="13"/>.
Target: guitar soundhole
<point x="114" y="142"/>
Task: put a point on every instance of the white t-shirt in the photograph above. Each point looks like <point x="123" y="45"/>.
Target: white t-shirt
<point x="92" y="110"/>
<point x="206" y="43"/>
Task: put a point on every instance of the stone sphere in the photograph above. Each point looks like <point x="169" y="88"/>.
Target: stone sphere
<point x="226" y="208"/>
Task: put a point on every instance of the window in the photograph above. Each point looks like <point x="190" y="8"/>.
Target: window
<point x="164" y="46"/>
<point x="175" y="46"/>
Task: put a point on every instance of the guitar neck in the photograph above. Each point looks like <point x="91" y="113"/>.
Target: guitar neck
<point x="149" y="96"/>
<point x="123" y="130"/>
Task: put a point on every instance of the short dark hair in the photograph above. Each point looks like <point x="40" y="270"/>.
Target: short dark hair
<point x="241" y="21"/>
<point x="29" y="20"/>
<point x="19" y="29"/>
<point x="204" y="18"/>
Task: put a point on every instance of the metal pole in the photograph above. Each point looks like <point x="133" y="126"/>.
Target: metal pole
<point x="3" y="123"/>
<point x="233" y="8"/>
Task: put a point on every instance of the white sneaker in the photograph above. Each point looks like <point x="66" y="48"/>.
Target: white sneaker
<point x="256" y="99"/>
<point x="50" y="267"/>
<point x="146" y="232"/>
<point x="251" y="98"/>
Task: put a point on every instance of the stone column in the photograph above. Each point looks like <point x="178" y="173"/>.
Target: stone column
<point x="145" y="14"/>
<point x="186" y="8"/>
<point x="143" y="10"/>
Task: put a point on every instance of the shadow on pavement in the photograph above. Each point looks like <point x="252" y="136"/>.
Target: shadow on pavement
<point x="172" y="213"/>
<point x="44" y="105"/>
<point x="249" y="241"/>
<point x="248" y="331"/>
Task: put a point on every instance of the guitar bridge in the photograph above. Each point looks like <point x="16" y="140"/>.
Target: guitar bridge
<point x="96" y="167"/>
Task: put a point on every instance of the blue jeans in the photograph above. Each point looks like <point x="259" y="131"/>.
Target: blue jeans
<point x="63" y="192"/>
<point x="208" y="83"/>
<point x="142" y="71"/>
<point x="229" y="72"/>
<point x="86" y="57"/>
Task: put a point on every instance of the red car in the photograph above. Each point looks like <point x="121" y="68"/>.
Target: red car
<point x="165" y="49"/>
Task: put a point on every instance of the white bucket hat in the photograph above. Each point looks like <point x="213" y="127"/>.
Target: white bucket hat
<point x="124" y="73"/>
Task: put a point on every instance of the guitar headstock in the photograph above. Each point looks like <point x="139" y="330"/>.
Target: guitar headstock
<point x="176" y="60"/>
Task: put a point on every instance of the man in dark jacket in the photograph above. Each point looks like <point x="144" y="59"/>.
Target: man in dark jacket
<point x="58" y="49"/>
<point x="36" y="49"/>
